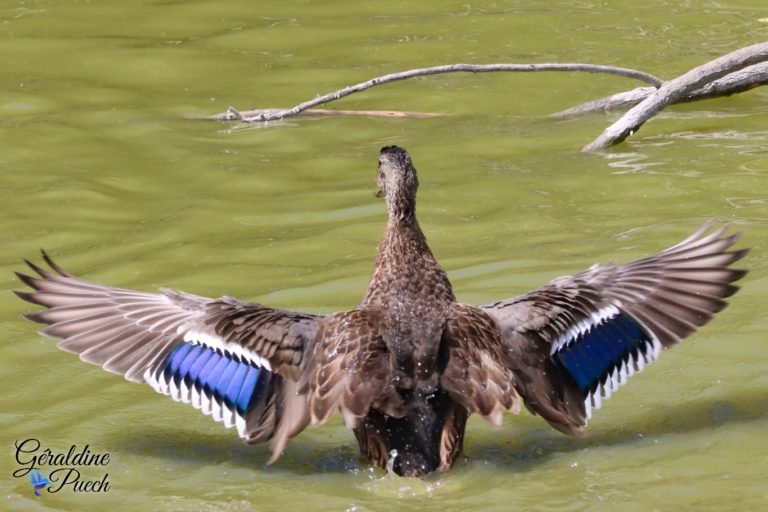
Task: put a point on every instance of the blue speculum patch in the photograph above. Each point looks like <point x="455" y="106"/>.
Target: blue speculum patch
<point x="592" y="356"/>
<point x="222" y="376"/>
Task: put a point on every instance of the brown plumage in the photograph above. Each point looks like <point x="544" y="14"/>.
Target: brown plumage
<point x="408" y="365"/>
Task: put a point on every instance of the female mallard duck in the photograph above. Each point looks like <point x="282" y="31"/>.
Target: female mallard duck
<point x="409" y="364"/>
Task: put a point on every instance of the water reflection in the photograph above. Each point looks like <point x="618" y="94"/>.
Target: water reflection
<point x="523" y="449"/>
<point x="537" y="446"/>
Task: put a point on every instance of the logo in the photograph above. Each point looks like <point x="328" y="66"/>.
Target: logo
<point x="76" y="470"/>
<point x="38" y="481"/>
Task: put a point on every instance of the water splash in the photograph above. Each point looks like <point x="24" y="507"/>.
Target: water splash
<point x="391" y="461"/>
<point x="390" y="485"/>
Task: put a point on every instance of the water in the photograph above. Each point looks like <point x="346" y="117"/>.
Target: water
<point x="102" y="164"/>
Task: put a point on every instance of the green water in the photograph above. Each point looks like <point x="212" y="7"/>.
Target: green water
<point x="102" y="164"/>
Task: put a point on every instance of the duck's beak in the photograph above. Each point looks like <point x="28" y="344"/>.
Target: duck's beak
<point x="379" y="193"/>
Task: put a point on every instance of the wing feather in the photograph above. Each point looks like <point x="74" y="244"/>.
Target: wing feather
<point x="352" y="370"/>
<point x="472" y="357"/>
<point x="139" y="335"/>
<point x="582" y="336"/>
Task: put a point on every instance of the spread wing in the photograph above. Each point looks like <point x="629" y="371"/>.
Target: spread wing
<point x="241" y="363"/>
<point x="576" y="340"/>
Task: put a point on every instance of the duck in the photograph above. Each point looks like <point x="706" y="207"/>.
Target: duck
<point x="409" y="364"/>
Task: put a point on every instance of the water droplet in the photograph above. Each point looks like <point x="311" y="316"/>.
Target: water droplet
<point x="391" y="461"/>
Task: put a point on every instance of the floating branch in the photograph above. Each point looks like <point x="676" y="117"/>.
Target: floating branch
<point x="740" y="81"/>
<point x="675" y="89"/>
<point x="270" y="115"/>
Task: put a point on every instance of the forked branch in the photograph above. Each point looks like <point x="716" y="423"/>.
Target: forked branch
<point x="737" y="82"/>
<point x="675" y="89"/>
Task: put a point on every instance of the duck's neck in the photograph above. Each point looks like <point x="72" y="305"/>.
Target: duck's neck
<point x="401" y="205"/>
<point x="405" y="267"/>
<point x="403" y="237"/>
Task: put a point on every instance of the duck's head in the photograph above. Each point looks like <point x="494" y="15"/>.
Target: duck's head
<point x="397" y="181"/>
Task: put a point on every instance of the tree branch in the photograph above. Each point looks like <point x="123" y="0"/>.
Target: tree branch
<point x="735" y="72"/>
<point x="268" y="115"/>
<point x="740" y="81"/>
<point x="675" y="89"/>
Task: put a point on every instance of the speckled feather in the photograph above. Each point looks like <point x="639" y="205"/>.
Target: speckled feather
<point x="408" y="365"/>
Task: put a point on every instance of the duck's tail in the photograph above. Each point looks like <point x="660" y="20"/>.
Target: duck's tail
<point x="428" y="438"/>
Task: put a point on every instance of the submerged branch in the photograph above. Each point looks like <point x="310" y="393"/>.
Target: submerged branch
<point x="673" y="90"/>
<point x="270" y="115"/>
<point x="232" y="115"/>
